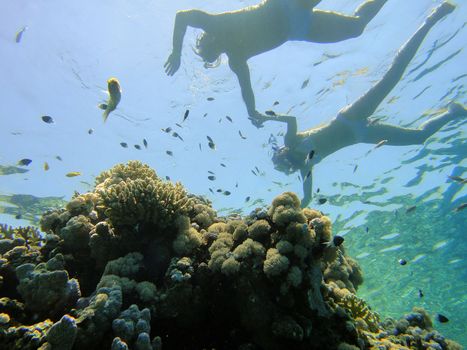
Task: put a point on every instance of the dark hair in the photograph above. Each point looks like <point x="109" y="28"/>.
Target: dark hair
<point x="284" y="161"/>
<point x="207" y="48"/>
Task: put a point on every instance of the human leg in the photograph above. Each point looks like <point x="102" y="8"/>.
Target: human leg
<point x="330" y="27"/>
<point x="366" y="105"/>
<point x="398" y="136"/>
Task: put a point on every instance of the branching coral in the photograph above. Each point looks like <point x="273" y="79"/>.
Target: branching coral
<point x="360" y="310"/>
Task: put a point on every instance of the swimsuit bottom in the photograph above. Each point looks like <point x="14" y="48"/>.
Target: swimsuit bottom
<point x="299" y="18"/>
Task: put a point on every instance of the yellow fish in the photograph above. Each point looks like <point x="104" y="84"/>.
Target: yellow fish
<point x="46" y="166"/>
<point x="115" y="94"/>
<point x="73" y="174"/>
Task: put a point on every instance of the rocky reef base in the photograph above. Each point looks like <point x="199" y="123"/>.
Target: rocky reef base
<point x="138" y="263"/>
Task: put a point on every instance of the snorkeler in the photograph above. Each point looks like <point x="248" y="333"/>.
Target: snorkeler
<point x="256" y="29"/>
<point x="351" y="126"/>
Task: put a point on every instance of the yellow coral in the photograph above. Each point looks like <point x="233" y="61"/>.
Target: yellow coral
<point x="358" y="309"/>
<point x="275" y="263"/>
<point x="259" y="229"/>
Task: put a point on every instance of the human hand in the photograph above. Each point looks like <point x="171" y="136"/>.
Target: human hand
<point x="172" y="64"/>
<point x="257" y="119"/>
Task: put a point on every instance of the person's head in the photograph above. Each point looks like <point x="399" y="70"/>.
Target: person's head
<point x="285" y="161"/>
<point x="208" y="49"/>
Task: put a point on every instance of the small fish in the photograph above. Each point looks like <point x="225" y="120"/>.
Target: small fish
<point x="257" y="170"/>
<point x="380" y="143"/>
<point x="228" y="118"/>
<point x="167" y="177"/>
<point x="145" y="143"/>
<point x="204" y="115"/>
<point x="212" y="145"/>
<point x="73" y="174"/>
<point x="175" y="134"/>
<point x="247" y="199"/>
<point x="305" y="83"/>
<point x="46" y="166"/>
<point x="367" y="229"/>
<point x="58" y="158"/>
<point x="317" y="190"/>
<point x="124" y="144"/>
<point x="47" y="119"/>
<point x="167" y="130"/>
<point x="199" y="144"/>
<point x="18" y="216"/>
<point x="187" y="112"/>
<point x="322" y="200"/>
<point x="210" y="99"/>
<point x="355" y="168"/>
<point x="270" y="113"/>
<point x="90" y="131"/>
<point x="276" y="103"/>
<point x="309" y="156"/>
<point x="307" y="175"/>
<point x="19" y="34"/>
<point x="179" y="125"/>
<point x="211" y="172"/>
<point x="457" y="178"/>
<point x="211" y="177"/>
<point x="240" y="133"/>
<point x="461" y="207"/>
<point x="223" y="165"/>
<point x="227" y="193"/>
<point x="24" y="162"/>
<point x="115" y="94"/>
<point x="420" y="293"/>
<point x="236" y="185"/>
<point x="402" y="262"/>
<point x="170" y="153"/>
<point x="442" y="318"/>
<point x="219" y="190"/>
<point x="410" y="209"/>
<point x="210" y="190"/>
<point x="336" y="241"/>
<point x="254" y="172"/>
<point x="209" y="139"/>
<point x="138" y="147"/>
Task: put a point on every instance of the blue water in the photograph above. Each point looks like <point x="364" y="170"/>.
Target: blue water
<point x="67" y="53"/>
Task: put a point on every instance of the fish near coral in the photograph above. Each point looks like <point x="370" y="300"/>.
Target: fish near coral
<point x="115" y="94"/>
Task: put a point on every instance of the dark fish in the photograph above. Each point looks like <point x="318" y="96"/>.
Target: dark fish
<point x="175" y="134"/>
<point x="254" y="172"/>
<point x="145" y="143"/>
<point x="271" y="113"/>
<point x="236" y="184"/>
<point x="227" y="193"/>
<point x="442" y="318"/>
<point x="210" y="172"/>
<point x="124" y="144"/>
<point x="179" y="125"/>
<point x="402" y="262"/>
<point x="204" y="115"/>
<point x="24" y="162"/>
<point x="457" y="178"/>
<point x="211" y="177"/>
<point x="58" y="158"/>
<point x="310" y="155"/>
<point x="219" y="190"/>
<point x="212" y="145"/>
<point x="257" y="170"/>
<point x="223" y="165"/>
<point x="308" y="174"/>
<point x="305" y="83"/>
<point x="461" y="207"/>
<point x="210" y="190"/>
<point x="337" y="241"/>
<point x="138" y="147"/>
<point x="228" y="118"/>
<point x="410" y="209"/>
<point x="18" y="216"/>
<point x="170" y="153"/>
<point x="317" y="190"/>
<point x="367" y="229"/>
<point x="210" y="99"/>
<point x="47" y="119"/>
<point x="167" y="177"/>
<point x="355" y="168"/>
<point x="199" y="144"/>
<point x="420" y="293"/>
<point x="19" y="34"/>
<point x="247" y="199"/>
<point x="322" y="200"/>
<point x="167" y="130"/>
<point x="90" y="131"/>
<point x="209" y="139"/>
<point x="276" y="103"/>
<point x="187" y="112"/>
<point x="240" y="133"/>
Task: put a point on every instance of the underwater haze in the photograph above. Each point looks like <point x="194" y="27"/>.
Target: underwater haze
<point x="390" y="203"/>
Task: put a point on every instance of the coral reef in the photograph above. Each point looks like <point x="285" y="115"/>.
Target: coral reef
<point x="140" y="264"/>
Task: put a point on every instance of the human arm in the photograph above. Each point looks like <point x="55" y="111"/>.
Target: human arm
<point x="307" y="185"/>
<point x="183" y="19"/>
<point x="240" y="67"/>
<point x="291" y="134"/>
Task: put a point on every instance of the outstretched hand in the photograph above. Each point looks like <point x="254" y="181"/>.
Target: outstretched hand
<point x="172" y="64"/>
<point x="257" y="119"/>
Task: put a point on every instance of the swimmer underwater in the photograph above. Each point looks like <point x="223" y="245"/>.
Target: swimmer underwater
<point x="352" y="126"/>
<point x="253" y="30"/>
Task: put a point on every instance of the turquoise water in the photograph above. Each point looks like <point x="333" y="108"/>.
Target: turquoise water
<point x="67" y="53"/>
